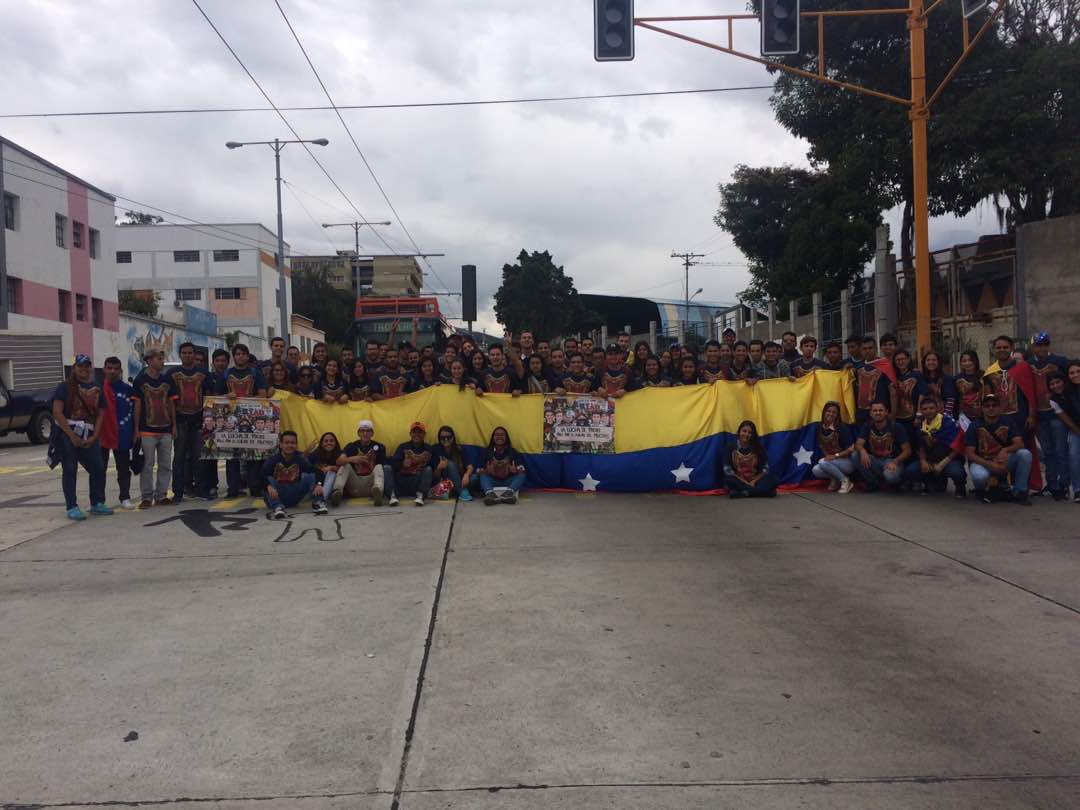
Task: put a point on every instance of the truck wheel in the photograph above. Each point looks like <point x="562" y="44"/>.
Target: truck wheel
<point x="40" y="428"/>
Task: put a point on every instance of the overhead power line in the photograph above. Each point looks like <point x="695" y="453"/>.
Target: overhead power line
<point x="400" y="106"/>
<point x="356" y="146"/>
<point x="284" y="120"/>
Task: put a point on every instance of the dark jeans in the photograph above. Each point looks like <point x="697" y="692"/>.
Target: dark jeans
<point x="186" y="449"/>
<point x="402" y="484"/>
<point x="90" y="458"/>
<point x="210" y="476"/>
<point x="764" y="488"/>
<point x="953" y="471"/>
<point x="289" y="495"/>
<point x="123" y="469"/>
<point x="254" y="476"/>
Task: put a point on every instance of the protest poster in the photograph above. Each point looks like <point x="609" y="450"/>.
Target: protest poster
<point x="579" y="424"/>
<point x="244" y="428"/>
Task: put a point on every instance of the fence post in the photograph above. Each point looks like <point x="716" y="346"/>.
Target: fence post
<point x="753" y="320"/>
<point x="652" y="336"/>
<point x="845" y="314"/>
<point x="793" y="313"/>
<point x="816" y="330"/>
<point x="603" y="335"/>
<point x="772" y="319"/>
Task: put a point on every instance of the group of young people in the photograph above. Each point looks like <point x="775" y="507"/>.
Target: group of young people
<point x="914" y="427"/>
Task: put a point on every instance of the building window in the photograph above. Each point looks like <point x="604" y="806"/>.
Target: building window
<point x="269" y="333"/>
<point x="123" y="257"/>
<point x="14" y="294"/>
<point x="185" y="255"/>
<point x="228" y="294"/>
<point x="97" y="312"/>
<point x="77" y="235"/>
<point x="61" y="231"/>
<point x="226" y="255"/>
<point x="95" y="243"/>
<point x="63" y="299"/>
<point x="277" y="297"/>
<point x="80" y="307"/>
<point x="189" y="295"/>
<point x="11" y="212"/>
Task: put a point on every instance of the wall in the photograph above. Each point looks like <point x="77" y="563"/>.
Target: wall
<point x="1048" y="254"/>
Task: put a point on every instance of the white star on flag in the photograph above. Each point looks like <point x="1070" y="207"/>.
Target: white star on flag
<point x="682" y="473"/>
<point x="802" y="456"/>
<point x="588" y="483"/>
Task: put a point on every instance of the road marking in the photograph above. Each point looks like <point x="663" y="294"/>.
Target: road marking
<point x="229" y="503"/>
<point x="9" y="470"/>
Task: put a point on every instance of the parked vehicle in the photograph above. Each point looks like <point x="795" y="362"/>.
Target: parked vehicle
<point x="31" y="366"/>
<point x="28" y="412"/>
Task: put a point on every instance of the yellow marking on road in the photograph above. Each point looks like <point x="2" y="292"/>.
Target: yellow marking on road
<point x="36" y="471"/>
<point x="8" y="470"/>
<point x="229" y="503"/>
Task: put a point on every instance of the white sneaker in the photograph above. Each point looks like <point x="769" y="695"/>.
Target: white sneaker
<point x="846" y="486"/>
<point x="419" y="499"/>
<point x="127" y="504"/>
<point x="393" y="501"/>
<point x="833" y="485"/>
<point x="279" y="513"/>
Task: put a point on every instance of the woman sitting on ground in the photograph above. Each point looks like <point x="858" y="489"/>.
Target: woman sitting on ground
<point x="746" y="466"/>
<point x="451" y="464"/>
<point x="835" y="446"/>
<point x="324" y="459"/>
<point x="503" y="468"/>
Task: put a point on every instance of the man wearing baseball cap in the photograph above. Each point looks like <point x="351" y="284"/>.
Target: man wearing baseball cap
<point x="78" y="410"/>
<point x="995" y="451"/>
<point x="362" y="468"/>
<point x="1052" y="433"/>
<point x="410" y="469"/>
<point x="615" y="378"/>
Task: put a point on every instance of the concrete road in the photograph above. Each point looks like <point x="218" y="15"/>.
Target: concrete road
<point x="816" y="651"/>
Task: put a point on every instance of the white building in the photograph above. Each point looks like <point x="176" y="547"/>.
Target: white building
<point x="57" y="257"/>
<point x="228" y="269"/>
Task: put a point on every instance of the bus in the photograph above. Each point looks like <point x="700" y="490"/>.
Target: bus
<point x="375" y="317"/>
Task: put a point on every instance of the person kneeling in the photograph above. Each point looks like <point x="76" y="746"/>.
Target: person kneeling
<point x="503" y="468"/>
<point x="410" y="469"/>
<point x="362" y="468"/>
<point x="938" y="459"/>
<point x="995" y="450"/>
<point x="746" y="468"/>
<point x="290" y="478"/>
<point x="883" y="449"/>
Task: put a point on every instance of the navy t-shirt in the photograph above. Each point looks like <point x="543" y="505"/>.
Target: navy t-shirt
<point x="372" y="455"/>
<point x="832" y="441"/>
<point x="243" y="382"/>
<point x="611" y="380"/>
<point x="884" y="444"/>
<point x="191" y="386"/>
<point x="578" y="383"/>
<point x="85" y="404"/>
<point x="503" y="381"/>
<point x="502" y="464"/>
<point x="410" y="459"/>
<point x="281" y="471"/>
<point x="154" y="394"/>
<point x="989" y="439"/>
<point x="389" y="384"/>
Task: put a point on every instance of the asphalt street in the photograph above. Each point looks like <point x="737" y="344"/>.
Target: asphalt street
<point x="815" y="651"/>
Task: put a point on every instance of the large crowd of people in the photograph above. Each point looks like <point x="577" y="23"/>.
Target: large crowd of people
<point x="988" y="431"/>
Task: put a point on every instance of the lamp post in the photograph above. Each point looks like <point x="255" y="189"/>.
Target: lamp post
<point x="277" y="145"/>
<point x="356" y="226"/>
<point x="690" y="297"/>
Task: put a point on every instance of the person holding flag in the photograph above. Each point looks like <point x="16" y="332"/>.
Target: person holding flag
<point x="1012" y="381"/>
<point x="940" y="454"/>
<point x="873" y="381"/>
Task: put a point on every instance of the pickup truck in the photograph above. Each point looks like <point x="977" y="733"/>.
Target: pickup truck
<point x="28" y="412"/>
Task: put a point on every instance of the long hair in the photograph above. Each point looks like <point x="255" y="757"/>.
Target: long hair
<point x="491" y="441"/>
<point x="821" y="424"/>
<point x="277" y="364"/>
<point x="465" y="369"/>
<point x="352" y="379"/>
<point x="933" y="377"/>
<point x="974" y="355"/>
<point x="755" y="441"/>
<point x="454" y="453"/>
<point x="320" y="452"/>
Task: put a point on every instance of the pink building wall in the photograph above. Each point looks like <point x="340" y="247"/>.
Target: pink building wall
<point x="78" y="210"/>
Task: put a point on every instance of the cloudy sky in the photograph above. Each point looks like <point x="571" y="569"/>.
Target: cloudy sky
<point x="610" y="187"/>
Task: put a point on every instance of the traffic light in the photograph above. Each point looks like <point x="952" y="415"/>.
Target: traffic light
<point x="468" y="292"/>
<point x="613" y="30"/>
<point x="780" y="27"/>
<point x="972" y="7"/>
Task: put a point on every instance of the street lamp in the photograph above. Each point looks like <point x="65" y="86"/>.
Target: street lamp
<point x="356" y="226"/>
<point x="277" y="145"/>
<point x="690" y="297"/>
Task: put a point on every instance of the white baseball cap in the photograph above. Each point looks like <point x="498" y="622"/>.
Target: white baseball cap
<point x="365" y="423"/>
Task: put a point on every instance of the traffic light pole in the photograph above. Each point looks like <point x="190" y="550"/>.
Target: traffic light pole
<point x="918" y="107"/>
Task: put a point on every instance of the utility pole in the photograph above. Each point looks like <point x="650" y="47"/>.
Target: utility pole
<point x="356" y="226"/>
<point x="689" y="260"/>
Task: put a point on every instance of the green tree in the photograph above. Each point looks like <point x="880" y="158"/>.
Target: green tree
<point x="1005" y="129"/>
<point x="139" y="302"/>
<point x="537" y="295"/>
<point x="801" y="230"/>
<point x="140" y="218"/>
<point x="331" y="309"/>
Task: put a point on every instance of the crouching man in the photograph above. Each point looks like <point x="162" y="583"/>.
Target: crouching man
<point x="290" y="478"/>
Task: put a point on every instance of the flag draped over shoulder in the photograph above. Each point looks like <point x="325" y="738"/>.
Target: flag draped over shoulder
<point x="665" y="438"/>
<point x="1024" y="377"/>
<point x="885" y="366"/>
<point x="110" y="430"/>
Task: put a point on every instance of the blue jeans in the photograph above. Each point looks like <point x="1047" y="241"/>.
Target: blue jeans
<point x="1074" y="461"/>
<point x="1054" y="448"/>
<point x="954" y="471"/>
<point x="90" y="458"/>
<point x="875" y="474"/>
<point x="453" y="475"/>
<point x="514" y="482"/>
<point x="1019" y="466"/>
<point x="291" y="494"/>
<point x="836" y="469"/>
<point x="402" y="484"/>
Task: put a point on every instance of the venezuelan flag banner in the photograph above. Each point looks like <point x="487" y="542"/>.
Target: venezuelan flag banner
<point x="665" y="438"/>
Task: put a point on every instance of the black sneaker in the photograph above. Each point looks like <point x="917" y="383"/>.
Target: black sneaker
<point x="1060" y="496"/>
<point x="735" y="494"/>
<point x="982" y="495"/>
<point x="1021" y="499"/>
<point x="961" y="491"/>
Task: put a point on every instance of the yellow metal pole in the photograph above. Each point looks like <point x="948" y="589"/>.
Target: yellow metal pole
<point x="919" y="115"/>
